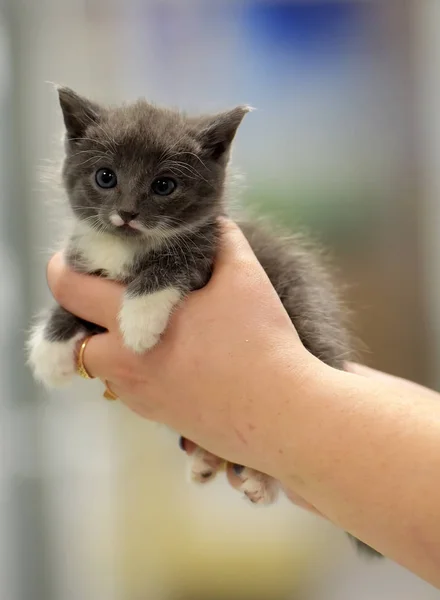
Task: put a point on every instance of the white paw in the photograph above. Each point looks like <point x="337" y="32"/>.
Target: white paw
<point x="258" y="487"/>
<point x="52" y="363"/>
<point x="143" y="319"/>
<point x="204" y="466"/>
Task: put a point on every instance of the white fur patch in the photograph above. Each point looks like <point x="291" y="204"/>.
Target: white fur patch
<point x="103" y="250"/>
<point x="143" y="319"/>
<point x="116" y="220"/>
<point x="53" y="363"/>
<point x="258" y="487"/>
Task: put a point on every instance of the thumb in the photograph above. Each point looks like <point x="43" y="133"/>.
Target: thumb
<point x="233" y="247"/>
<point x="235" y="258"/>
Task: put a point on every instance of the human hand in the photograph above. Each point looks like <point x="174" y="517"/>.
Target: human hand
<point x="228" y="354"/>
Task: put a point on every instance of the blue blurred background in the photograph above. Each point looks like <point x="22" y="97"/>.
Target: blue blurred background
<point x="345" y="141"/>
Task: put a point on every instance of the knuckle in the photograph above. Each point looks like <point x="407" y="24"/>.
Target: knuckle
<point x="129" y="371"/>
<point x="58" y="288"/>
<point x="245" y="263"/>
<point x="228" y="226"/>
<point x="57" y="279"/>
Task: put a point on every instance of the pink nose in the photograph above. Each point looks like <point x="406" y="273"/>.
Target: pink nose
<point x="127" y="215"/>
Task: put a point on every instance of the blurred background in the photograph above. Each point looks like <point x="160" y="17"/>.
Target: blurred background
<point x="95" y="503"/>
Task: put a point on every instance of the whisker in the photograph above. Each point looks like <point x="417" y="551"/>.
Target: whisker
<point x="95" y="160"/>
<point x="167" y="150"/>
<point x="190" y="170"/>
<point x="190" y="154"/>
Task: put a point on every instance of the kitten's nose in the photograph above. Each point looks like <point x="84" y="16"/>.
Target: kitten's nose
<point x="127" y="215"/>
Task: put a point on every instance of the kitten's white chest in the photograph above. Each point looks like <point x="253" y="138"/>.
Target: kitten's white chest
<point x="102" y="251"/>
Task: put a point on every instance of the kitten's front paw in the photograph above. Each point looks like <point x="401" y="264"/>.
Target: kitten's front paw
<point x="52" y="363"/>
<point x="143" y="319"/>
<point x="257" y="487"/>
<point x="204" y="466"/>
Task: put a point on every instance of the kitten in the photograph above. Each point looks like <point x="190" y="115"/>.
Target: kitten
<point x="146" y="186"/>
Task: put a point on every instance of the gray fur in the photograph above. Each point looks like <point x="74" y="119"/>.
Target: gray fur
<point x="177" y="247"/>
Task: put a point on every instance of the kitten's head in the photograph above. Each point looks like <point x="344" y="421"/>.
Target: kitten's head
<point x="139" y="170"/>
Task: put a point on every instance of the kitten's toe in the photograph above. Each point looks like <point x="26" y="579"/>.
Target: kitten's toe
<point x="139" y="341"/>
<point x="204" y="466"/>
<point x="257" y="487"/>
<point x="52" y="363"/>
<point x="143" y="319"/>
<point x="137" y="333"/>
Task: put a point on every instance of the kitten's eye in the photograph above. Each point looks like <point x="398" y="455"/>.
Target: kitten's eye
<point x="106" y="178"/>
<point x="163" y="186"/>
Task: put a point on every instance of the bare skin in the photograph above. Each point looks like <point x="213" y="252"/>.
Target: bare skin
<point x="360" y="448"/>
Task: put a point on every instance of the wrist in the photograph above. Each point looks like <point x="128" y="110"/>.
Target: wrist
<point x="301" y="420"/>
<point x="290" y="384"/>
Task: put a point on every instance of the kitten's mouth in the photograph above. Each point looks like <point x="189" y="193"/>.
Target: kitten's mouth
<point x="128" y="229"/>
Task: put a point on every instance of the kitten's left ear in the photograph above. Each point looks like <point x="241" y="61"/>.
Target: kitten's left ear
<point x="78" y="112"/>
<point x="218" y="133"/>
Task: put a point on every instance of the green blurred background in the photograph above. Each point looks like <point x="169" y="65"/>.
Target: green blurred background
<point x="345" y="142"/>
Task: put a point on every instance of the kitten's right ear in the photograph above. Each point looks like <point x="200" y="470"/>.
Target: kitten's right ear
<point x="78" y="112"/>
<point x="218" y="131"/>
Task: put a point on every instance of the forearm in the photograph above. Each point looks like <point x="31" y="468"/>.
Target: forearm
<point x="368" y="457"/>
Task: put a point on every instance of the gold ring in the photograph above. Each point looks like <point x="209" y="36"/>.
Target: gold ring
<point x="108" y="394"/>
<point x="80" y="368"/>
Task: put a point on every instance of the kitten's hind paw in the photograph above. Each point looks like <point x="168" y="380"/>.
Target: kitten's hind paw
<point x="204" y="466"/>
<point x="52" y="363"/>
<point x="257" y="487"/>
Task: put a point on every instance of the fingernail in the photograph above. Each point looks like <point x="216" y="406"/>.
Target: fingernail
<point x="238" y="469"/>
<point x="182" y="443"/>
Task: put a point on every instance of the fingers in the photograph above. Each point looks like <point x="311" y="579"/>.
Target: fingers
<point x="103" y="358"/>
<point x="187" y="446"/>
<point x="94" y="299"/>
<point x="233" y="479"/>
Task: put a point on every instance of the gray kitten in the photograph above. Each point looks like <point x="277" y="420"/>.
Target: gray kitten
<point x="146" y="186"/>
